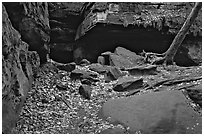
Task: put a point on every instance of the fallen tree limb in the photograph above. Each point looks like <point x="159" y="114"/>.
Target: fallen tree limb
<point x="173" y="81"/>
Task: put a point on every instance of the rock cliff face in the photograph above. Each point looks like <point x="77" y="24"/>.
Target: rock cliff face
<point x="32" y="22"/>
<point x="18" y="67"/>
<point x="85" y="30"/>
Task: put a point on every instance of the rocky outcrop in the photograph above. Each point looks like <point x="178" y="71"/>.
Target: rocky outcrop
<point x="18" y="67"/>
<point x="32" y="22"/>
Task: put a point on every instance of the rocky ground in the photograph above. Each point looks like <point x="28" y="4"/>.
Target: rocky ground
<point x="55" y="104"/>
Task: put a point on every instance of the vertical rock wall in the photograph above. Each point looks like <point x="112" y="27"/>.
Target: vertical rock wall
<point x="31" y="20"/>
<point x="18" y="67"/>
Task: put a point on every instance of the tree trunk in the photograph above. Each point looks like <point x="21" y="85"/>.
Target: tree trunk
<point x="170" y="53"/>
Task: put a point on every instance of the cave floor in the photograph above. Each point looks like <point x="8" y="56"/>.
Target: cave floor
<point x="42" y="113"/>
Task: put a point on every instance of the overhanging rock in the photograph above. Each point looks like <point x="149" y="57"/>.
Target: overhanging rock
<point x="140" y="14"/>
<point x="134" y="26"/>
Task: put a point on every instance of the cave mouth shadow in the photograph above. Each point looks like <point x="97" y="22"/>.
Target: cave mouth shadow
<point x="104" y="38"/>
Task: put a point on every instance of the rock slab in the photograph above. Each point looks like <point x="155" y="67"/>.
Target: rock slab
<point x="153" y="113"/>
<point x="128" y="83"/>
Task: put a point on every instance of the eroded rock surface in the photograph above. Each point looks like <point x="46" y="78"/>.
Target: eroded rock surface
<point x="18" y="67"/>
<point x="164" y="112"/>
<point x="31" y="20"/>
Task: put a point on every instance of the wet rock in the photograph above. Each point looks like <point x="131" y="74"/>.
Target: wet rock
<point x="128" y="83"/>
<point x="129" y="55"/>
<point x="85" y="91"/>
<point x="154" y="113"/>
<point x="67" y="67"/>
<point x="18" y="67"/>
<point x="143" y="70"/>
<point x="195" y="93"/>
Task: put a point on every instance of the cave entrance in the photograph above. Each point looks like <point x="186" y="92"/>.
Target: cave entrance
<point x="106" y="37"/>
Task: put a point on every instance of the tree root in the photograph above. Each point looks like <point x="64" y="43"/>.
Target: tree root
<point x="157" y="59"/>
<point x="168" y="82"/>
<point x="174" y="81"/>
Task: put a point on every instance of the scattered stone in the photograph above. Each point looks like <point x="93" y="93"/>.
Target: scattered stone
<point x="84" y="62"/>
<point x="79" y="74"/>
<point x="101" y="60"/>
<point x="85" y="91"/>
<point x="143" y="70"/>
<point x="154" y="113"/>
<point x="129" y="55"/>
<point x="128" y="83"/>
<point x="67" y="67"/>
<point x="195" y="93"/>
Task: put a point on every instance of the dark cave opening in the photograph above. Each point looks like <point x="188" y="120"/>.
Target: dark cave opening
<point x="104" y="37"/>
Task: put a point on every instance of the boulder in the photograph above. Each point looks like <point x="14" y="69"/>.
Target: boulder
<point x="85" y="91"/>
<point x="164" y="112"/>
<point x="128" y="83"/>
<point x="131" y="56"/>
<point x="18" y="67"/>
<point x="119" y="61"/>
